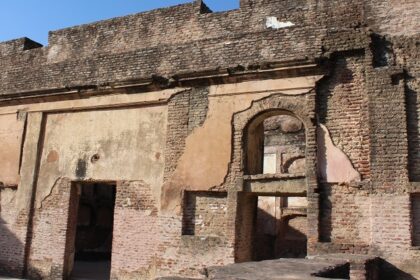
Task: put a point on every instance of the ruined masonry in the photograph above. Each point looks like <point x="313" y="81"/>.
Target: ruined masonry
<point x="183" y="142"/>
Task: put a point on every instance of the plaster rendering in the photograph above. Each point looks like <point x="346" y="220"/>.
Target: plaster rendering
<point x="281" y="138"/>
<point x="334" y="166"/>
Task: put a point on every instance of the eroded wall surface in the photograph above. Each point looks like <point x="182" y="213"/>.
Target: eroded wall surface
<point x="12" y="245"/>
<point x="209" y="146"/>
<point x="104" y="145"/>
<point x="133" y="141"/>
<point x="220" y="71"/>
<point x="11" y="139"/>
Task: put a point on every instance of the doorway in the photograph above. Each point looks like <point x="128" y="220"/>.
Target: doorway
<point x="280" y="228"/>
<point x="94" y="231"/>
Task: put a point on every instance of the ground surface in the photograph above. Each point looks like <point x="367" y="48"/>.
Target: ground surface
<point x="296" y="269"/>
<point x="84" y="271"/>
<point x="91" y="270"/>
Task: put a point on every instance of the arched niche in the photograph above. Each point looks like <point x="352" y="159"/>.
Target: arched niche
<point x="274" y="143"/>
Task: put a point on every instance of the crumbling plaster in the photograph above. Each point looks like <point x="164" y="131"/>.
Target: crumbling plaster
<point x="192" y="46"/>
<point x="209" y="146"/>
<point x="34" y="132"/>
<point x="334" y="166"/>
<point x="111" y="100"/>
<point x="128" y="150"/>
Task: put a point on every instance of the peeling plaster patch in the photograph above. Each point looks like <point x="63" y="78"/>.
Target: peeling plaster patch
<point x="48" y="193"/>
<point x="52" y="156"/>
<point x="334" y="166"/>
<point x="273" y="22"/>
<point x="212" y="152"/>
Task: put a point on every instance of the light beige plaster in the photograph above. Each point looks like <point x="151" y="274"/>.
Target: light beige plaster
<point x="288" y="86"/>
<point x="96" y="102"/>
<point x="11" y="135"/>
<point x="29" y="160"/>
<point x="130" y="144"/>
<point x="110" y="102"/>
<point x="334" y="165"/>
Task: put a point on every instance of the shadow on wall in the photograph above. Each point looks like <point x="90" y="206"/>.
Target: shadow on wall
<point x="12" y="251"/>
<point x="413" y="136"/>
<point x="276" y="238"/>
<point x="388" y="271"/>
<point x="293" y="241"/>
<point x="325" y="215"/>
<point x="341" y="74"/>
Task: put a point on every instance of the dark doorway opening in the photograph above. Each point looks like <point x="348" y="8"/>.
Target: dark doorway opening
<point x="93" y="237"/>
<point x="280" y="228"/>
<point x="272" y="221"/>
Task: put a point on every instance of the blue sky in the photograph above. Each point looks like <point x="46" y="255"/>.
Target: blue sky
<point x="34" y="18"/>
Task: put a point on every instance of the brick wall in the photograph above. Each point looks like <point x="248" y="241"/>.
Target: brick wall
<point x="198" y="107"/>
<point x="17" y="46"/>
<point x="393" y="17"/>
<point x="342" y="107"/>
<point x="135" y="223"/>
<point x="345" y="215"/>
<point x="46" y="257"/>
<point x="11" y="245"/>
<point x="391" y="234"/>
<point x="204" y="214"/>
<point x="408" y="57"/>
<point x="387" y="130"/>
<point x="173" y="40"/>
<point x="244" y="247"/>
<point x="186" y="111"/>
<point x="371" y="111"/>
<point x="177" y="131"/>
<point x="164" y="250"/>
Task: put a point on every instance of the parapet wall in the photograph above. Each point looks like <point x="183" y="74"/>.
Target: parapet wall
<point x="165" y="42"/>
<point x="17" y="46"/>
<point x="190" y="38"/>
